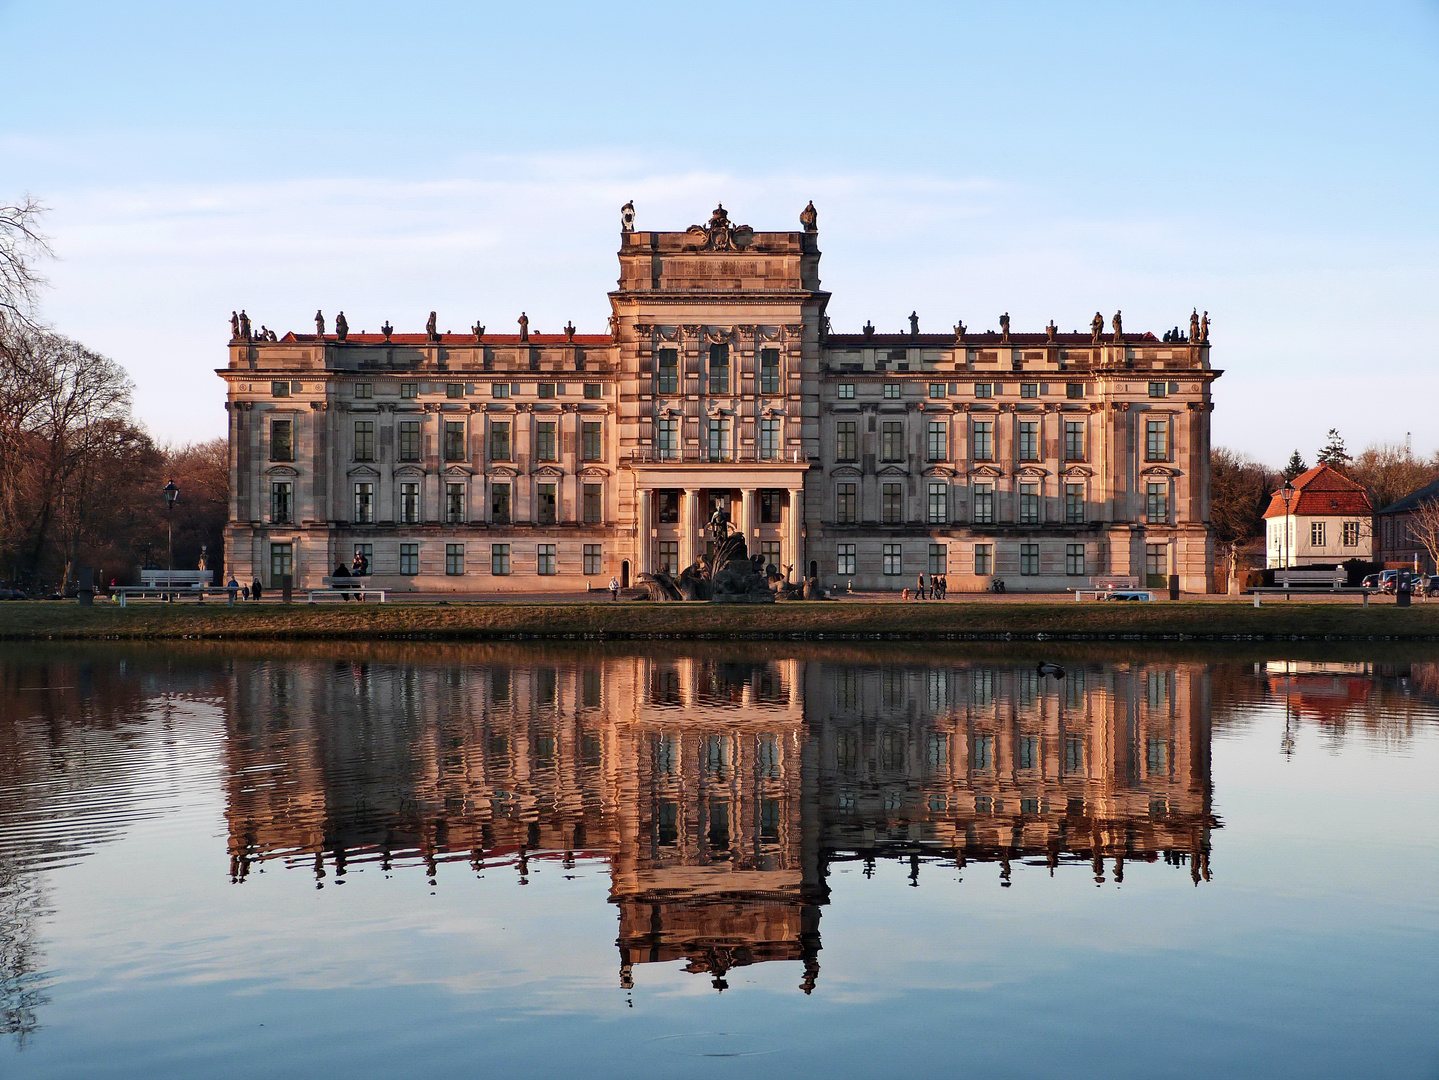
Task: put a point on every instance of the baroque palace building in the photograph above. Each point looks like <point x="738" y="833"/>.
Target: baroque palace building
<point x="525" y="462"/>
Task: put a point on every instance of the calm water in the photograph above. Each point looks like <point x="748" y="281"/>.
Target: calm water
<point x="717" y="862"/>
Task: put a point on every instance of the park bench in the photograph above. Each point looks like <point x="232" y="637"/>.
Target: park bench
<point x="175" y="578"/>
<point x="344" y="587"/>
<point x="1287" y="579"/>
<point x="1271" y="590"/>
<point x="126" y="593"/>
<point x="1114" y="581"/>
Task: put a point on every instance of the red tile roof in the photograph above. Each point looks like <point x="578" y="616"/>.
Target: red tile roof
<point x="1320" y="491"/>
<point x="987" y="340"/>
<point x="591" y="340"/>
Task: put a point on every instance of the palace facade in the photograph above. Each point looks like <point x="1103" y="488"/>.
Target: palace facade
<point x="490" y="463"/>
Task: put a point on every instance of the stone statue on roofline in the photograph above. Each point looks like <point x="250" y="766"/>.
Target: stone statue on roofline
<point x="342" y="327"/>
<point x="387" y="330"/>
<point x="319" y="324"/>
<point x="627" y="217"/>
<point x="1204" y="329"/>
<point x="1118" y="324"/>
<point x="1096" y="328"/>
<point x="479" y="331"/>
<point x="959" y="329"/>
<point x="244" y="326"/>
<point x="569" y="330"/>
<point x="809" y="218"/>
<point x="1004" y="327"/>
<point x="431" y="327"/>
<point x="1052" y="332"/>
<point x="234" y="326"/>
<point x="1194" y="326"/>
<point x="914" y="324"/>
<point x="524" y="322"/>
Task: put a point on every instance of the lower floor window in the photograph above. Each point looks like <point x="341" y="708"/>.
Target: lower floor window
<point x="893" y="559"/>
<point x="454" y="559"/>
<point x="1351" y="534"/>
<point x="1156" y="560"/>
<point x="1074" y="560"/>
<point x="592" y="558"/>
<point x="545" y="560"/>
<point x="670" y="556"/>
<point x="409" y="558"/>
<point x="500" y="559"/>
<point x="844" y="560"/>
<point x="364" y="559"/>
<point x="282" y="562"/>
<point x="939" y="558"/>
<point x="1028" y="559"/>
<point x="983" y="559"/>
<point x="594" y="504"/>
<point x="771" y="550"/>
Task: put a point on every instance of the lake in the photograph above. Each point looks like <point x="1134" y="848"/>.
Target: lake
<point x="718" y="860"/>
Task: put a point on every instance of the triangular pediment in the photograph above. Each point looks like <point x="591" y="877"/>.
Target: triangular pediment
<point x="1031" y="471"/>
<point x="594" y="470"/>
<point x="410" y="470"/>
<point x="1159" y="470"/>
<point x="507" y="471"/>
<point x="988" y="471"/>
<point x="364" y="470"/>
<point x="894" y="470"/>
<point x="1078" y="470"/>
<point x="939" y="470"/>
<point x="459" y="470"/>
<point x="549" y="470"/>
<point x="845" y="470"/>
<point x="281" y="470"/>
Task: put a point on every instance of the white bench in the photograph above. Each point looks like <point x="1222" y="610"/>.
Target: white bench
<point x="345" y="594"/>
<point x="1267" y="590"/>
<point x="1287" y="579"/>
<point x="1114" y="581"/>
<point x="175" y="578"/>
<point x="165" y="592"/>
<point x="1114" y="594"/>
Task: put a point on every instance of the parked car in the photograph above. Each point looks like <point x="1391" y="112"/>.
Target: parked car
<point x="1431" y="585"/>
<point x="1371" y="581"/>
<point x="1392" y="580"/>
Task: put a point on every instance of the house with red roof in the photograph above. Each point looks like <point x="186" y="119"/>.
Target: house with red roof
<point x="1320" y="519"/>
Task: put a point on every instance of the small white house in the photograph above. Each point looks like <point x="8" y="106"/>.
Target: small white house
<point x="1327" y="519"/>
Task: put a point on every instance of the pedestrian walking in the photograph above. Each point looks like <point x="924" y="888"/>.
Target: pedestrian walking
<point x="255" y="589"/>
<point x="615" y="589"/>
<point x="233" y="588"/>
<point x="919" y="588"/>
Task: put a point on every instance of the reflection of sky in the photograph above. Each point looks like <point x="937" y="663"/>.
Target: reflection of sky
<point x="1311" y="952"/>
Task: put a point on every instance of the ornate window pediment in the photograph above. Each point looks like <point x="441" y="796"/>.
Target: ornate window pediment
<point x="409" y="470"/>
<point x="364" y="470"/>
<point x="1077" y="470"/>
<point x="459" y="470"/>
<point x="281" y="470"/>
<point x="594" y="470"/>
<point x="939" y="470"/>
<point x="894" y="470"/>
<point x="506" y="472"/>
<point x="1159" y="470"/>
<point x="1031" y="471"/>
<point x="845" y="470"/>
<point x="549" y="470"/>
<point x="986" y="471"/>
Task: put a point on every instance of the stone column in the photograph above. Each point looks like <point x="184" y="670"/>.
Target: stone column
<point x="746" y="517"/>
<point x="689" y="510"/>
<point x="796" y="520"/>
<point x="645" y="545"/>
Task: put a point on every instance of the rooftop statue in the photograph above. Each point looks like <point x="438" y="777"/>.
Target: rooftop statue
<point x="720" y="234"/>
<point x="234" y="326"/>
<point x="342" y="327"/>
<point x="914" y="324"/>
<point x="809" y="218"/>
<point x="627" y="217"/>
<point x="1118" y="323"/>
<point x="1004" y="327"/>
<point x="1204" y="329"/>
<point x="244" y="325"/>
<point x="569" y="330"/>
<point x="479" y="331"/>
<point x="958" y="332"/>
<point x="319" y="324"/>
<point x="1194" y="325"/>
<point x="524" y="327"/>
<point x="387" y="330"/>
<point x="1096" y="327"/>
<point x="1052" y="331"/>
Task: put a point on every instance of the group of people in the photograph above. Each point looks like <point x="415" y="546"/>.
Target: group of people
<point x="248" y="592"/>
<point x="359" y="567"/>
<point x="938" y="587"/>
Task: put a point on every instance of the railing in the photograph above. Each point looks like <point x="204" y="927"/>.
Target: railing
<point x="692" y="455"/>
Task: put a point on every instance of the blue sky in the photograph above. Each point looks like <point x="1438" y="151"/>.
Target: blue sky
<point x="1274" y="164"/>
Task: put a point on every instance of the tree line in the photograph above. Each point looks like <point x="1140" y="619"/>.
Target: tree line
<point x="80" y="479"/>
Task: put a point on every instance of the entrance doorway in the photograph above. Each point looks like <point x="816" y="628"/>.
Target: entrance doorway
<point x="625" y="574"/>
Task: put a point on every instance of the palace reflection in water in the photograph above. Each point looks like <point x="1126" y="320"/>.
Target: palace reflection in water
<point x="719" y="791"/>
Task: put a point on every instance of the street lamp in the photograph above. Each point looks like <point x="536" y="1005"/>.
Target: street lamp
<point x="171" y="494"/>
<point x="1286" y="493"/>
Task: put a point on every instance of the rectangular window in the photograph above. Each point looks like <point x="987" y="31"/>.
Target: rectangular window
<point x="984" y="504"/>
<point x="545" y="448"/>
<point x="364" y="440"/>
<point x="1156" y="565"/>
<point x="594" y="390"/>
<point x="409" y="558"/>
<point x="1028" y="559"/>
<point x="1029" y="440"/>
<point x="409" y="390"/>
<point x="667" y="372"/>
<point x="769" y="371"/>
<point x="670" y="556"/>
<point x="1351" y="534"/>
<point x="719" y="369"/>
<point x="1156" y="440"/>
<point x="1157" y="389"/>
<point x="939" y="504"/>
<point x="1029" y="504"/>
<point x="769" y="437"/>
<point x="846" y="508"/>
<point x="893" y="391"/>
<point x="500" y="559"/>
<point x="893" y="555"/>
<point x="410" y="503"/>
<point x="279" y="389"/>
<point x="891" y="444"/>
<point x="545" y="390"/>
<point x="844" y="560"/>
<point x="1156" y="504"/>
<point x="592" y="447"/>
<point x="846" y="391"/>
<point x="546" y="504"/>
<point x="364" y="502"/>
<point x="454" y="560"/>
<point x="939" y="558"/>
<point x="282" y="563"/>
<point x="937" y="390"/>
<point x="1029" y="389"/>
<point x="454" y="503"/>
<point x="282" y="440"/>
<point x="367" y="554"/>
<point x="1074" y="390"/>
<point x="891" y="503"/>
<point x="282" y="505"/>
<point x="364" y="391"/>
<point x="773" y="553"/>
<point x="500" y="389"/>
<point x="409" y="448"/>
<point x="1074" y="560"/>
<point x="500" y="504"/>
<point x="983" y="390"/>
<point x="593" y="557"/>
<point x="454" y="390"/>
<point x="1316" y="534"/>
<point x="1074" y="504"/>
<point x="983" y="559"/>
<point x="937" y="441"/>
<point x="771" y="506"/>
<point x="1074" y="440"/>
<point x="846" y="440"/>
<point x="982" y="442"/>
<point x="455" y="440"/>
<point x="669" y="507"/>
<point x="545" y="560"/>
<point x="667" y="438"/>
<point x="594" y="504"/>
<point x="718" y="439"/>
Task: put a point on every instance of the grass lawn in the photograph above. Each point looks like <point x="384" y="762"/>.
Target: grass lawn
<point x="58" y="620"/>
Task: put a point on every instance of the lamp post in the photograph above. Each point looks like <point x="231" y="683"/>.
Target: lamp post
<point x="171" y="494"/>
<point x="1286" y="493"/>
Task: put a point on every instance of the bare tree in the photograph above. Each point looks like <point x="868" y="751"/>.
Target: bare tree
<point x="1391" y="471"/>
<point x="21" y="246"/>
<point x="1423" y="527"/>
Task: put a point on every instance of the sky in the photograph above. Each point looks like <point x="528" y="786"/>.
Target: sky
<point x="1274" y="164"/>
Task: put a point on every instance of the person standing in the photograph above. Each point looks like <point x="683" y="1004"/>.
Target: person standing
<point x="233" y="588"/>
<point x="255" y="589"/>
<point x="615" y="589"/>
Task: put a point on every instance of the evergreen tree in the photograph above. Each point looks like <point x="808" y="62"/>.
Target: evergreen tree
<point x="1295" y="467"/>
<point x="1333" y="453"/>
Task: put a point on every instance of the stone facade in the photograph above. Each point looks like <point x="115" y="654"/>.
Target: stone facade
<point x="489" y="463"/>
